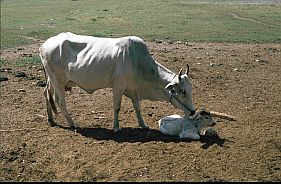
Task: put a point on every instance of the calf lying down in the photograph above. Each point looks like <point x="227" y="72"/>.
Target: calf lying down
<point x="186" y="127"/>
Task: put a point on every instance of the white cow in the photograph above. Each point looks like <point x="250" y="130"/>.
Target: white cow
<point x="186" y="127"/>
<point x="123" y="64"/>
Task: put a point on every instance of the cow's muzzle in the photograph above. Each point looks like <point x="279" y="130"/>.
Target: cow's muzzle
<point x="192" y="112"/>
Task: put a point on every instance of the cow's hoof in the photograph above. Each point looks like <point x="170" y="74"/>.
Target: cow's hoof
<point x="116" y="129"/>
<point x="74" y="128"/>
<point x="52" y="122"/>
<point x="145" y="128"/>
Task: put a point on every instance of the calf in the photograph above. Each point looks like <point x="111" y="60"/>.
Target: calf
<point x="187" y="127"/>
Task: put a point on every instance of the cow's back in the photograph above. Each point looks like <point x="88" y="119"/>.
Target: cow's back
<point x="94" y="63"/>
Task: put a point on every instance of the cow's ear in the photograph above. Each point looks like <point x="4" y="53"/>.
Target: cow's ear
<point x="170" y="87"/>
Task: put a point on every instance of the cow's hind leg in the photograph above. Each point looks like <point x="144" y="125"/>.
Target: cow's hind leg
<point x="49" y="107"/>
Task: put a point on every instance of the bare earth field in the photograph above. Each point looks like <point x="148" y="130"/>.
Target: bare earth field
<point x="242" y="80"/>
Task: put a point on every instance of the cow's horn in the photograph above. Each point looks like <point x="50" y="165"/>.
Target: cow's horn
<point x="180" y="74"/>
<point x="180" y="71"/>
<point x="187" y="69"/>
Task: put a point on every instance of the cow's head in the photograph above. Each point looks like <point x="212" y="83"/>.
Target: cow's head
<point x="180" y="91"/>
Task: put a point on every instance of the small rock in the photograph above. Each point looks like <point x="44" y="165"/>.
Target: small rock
<point x="170" y="41"/>
<point x="6" y="69"/>
<point x="235" y="69"/>
<point x="20" y="74"/>
<point x="21" y="90"/>
<point x="188" y="44"/>
<point x="41" y="83"/>
<point x="3" y="79"/>
<point x="27" y="55"/>
<point x="159" y="41"/>
<point x="262" y="61"/>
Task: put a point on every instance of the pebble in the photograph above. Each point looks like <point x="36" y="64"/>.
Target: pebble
<point x="3" y="79"/>
<point x="20" y="74"/>
<point x="41" y="83"/>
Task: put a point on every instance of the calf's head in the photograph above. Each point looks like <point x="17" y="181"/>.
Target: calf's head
<point x="203" y="119"/>
<point x="180" y="91"/>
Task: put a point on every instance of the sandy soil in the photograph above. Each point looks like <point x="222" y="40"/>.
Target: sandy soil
<point x="242" y="80"/>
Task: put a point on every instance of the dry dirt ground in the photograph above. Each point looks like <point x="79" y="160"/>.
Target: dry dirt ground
<point x="242" y="80"/>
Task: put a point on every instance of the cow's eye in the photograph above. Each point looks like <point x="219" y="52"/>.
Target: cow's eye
<point x="173" y="91"/>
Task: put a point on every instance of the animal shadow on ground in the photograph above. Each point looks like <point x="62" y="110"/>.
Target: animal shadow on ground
<point x="142" y="135"/>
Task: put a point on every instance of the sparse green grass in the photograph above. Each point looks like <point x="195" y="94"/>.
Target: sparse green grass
<point x="3" y="62"/>
<point x="28" y="61"/>
<point x="186" y="20"/>
<point x="22" y="61"/>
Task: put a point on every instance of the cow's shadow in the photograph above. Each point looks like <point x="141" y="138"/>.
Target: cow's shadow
<point x="133" y="135"/>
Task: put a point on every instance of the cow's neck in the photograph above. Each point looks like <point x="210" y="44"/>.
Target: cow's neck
<point x="165" y="76"/>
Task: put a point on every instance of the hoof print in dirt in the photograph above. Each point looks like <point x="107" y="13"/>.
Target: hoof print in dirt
<point x="20" y="74"/>
<point x="41" y="83"/>
<point x="3" y="79"/>
<point x="21" y="90"/>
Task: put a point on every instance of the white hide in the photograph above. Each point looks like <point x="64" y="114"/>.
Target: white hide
<point x="123" y="64"/>
<point x="185" y="127"/>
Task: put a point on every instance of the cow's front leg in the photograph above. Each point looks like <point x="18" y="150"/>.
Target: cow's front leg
<point x="60" y="99"/>
<point x="116" y="127"/>
<point x="117" y="97"/>
<point x="137" y="108"/>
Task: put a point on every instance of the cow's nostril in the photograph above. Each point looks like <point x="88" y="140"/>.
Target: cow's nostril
<point x="192" y="112"/>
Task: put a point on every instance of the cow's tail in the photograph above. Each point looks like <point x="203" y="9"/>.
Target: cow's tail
<point x="48" y="87"/>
